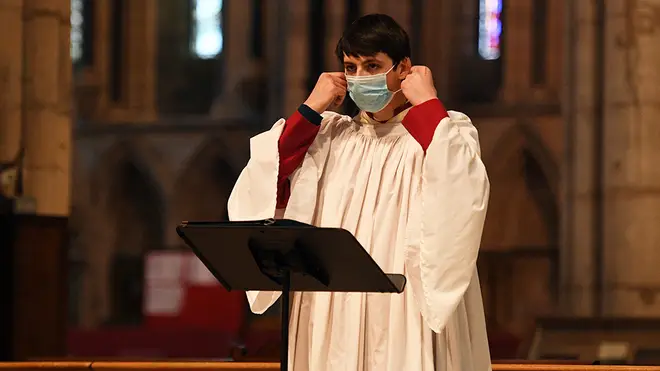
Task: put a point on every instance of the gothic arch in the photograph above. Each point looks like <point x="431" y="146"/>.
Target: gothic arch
<point x="523" y="134"/>
<point x="522" y="222"/>
<point x="130" y="204"/>
<point x="202" y="189"/>
<point x="523" y="210"/>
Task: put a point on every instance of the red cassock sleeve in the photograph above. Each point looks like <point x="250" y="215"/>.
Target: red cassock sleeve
<point x="299" y="133"/>
<point x="422" y="120"/>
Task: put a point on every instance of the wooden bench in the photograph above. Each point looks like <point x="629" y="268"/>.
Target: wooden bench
<point x="257" y="366"/>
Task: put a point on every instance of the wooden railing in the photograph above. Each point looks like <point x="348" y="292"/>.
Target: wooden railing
<point x="139" y="366"/>
<point x="256" y="366"/>
<point x="551" y="367"/>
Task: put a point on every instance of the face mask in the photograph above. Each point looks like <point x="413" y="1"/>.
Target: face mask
<point x="370" y="93"/>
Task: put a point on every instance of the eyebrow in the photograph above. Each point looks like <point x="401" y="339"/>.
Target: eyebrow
<point x="366" y="60"/>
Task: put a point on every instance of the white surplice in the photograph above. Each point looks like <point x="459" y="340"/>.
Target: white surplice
<point x="417" y="214"/>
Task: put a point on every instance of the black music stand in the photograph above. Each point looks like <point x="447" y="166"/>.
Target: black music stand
<point x="285" y="255"/>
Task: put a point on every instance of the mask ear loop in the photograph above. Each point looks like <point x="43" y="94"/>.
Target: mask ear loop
<point x="407" y="100"/>
<point x="394" y="92"/>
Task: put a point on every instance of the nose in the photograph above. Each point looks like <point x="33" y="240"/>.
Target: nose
<point x="360" y="71"/>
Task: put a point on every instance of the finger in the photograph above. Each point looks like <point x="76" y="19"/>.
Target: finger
<point x="417" y="69"/>
<point x="339" y="100"/>
<point x="339" y="82"/>
<point x="340" y="85"/>
<point x="337" y="75"/>
<point x="340" y="79"/>
<point x="339" y="92"/>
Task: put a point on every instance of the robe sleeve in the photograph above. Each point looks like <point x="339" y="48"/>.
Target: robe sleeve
<point x="298" y="134"/>
<point x="442" y="254"/>
<point x="255" y="194"/>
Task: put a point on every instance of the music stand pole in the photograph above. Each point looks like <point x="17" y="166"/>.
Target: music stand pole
<point x="284" y="347"/>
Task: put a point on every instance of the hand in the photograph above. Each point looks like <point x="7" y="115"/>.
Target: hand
<point x="418" y="85"/>
<point x="330" y="90"/>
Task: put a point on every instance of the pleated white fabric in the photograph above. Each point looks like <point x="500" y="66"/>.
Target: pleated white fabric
<point x="417" y="214"/>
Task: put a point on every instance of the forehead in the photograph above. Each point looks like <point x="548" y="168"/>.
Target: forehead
<point x="379" y="57"/>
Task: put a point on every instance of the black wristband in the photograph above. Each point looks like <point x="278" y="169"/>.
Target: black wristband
<point x="309" y="114"/>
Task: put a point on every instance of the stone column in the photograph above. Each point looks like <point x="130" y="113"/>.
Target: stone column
<point x="397" y="9"/>
<point x="11" y="70"/>
<point x="556" y="19"/>
<point x="517" y="43"/>
<point x="578" y="240"/>
<point x="631" y="176"/>
<point x="296" y="54"/>
<point x="439" y="53"/>
<point x="335" y="12"/>
<point x="632" y="158"/>
<point x="141" y="58"/>
<point x="400" y="11"/>
<point x="238" y="64"/>
<point x="275" y="19"/>
<point x="370" y="6"/>
<point x="47" y="104"/>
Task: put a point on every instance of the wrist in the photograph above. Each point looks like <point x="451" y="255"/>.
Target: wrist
<point x="423" y="100"/>
<point x="310" y="115"/>
<point x="315" y="106"/>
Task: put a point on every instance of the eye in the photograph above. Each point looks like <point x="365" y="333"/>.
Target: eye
<point x="349" y="69"/>
<point x="373" y="67"/>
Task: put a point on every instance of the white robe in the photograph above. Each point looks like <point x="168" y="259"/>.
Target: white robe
<point x="417" y="214"/>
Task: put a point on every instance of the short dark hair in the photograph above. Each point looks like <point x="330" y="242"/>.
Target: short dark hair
<point x="372" y="34"/>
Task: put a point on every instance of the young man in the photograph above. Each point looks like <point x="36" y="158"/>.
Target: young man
<point x="405" y="177"/>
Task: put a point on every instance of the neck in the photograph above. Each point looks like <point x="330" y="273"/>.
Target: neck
<point x="391" y="109"/>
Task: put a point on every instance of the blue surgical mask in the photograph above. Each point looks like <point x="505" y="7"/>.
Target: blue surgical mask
<point x="370" y="93"/>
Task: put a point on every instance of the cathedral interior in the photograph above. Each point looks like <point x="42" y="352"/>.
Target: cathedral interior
<point x="119" y="119"/>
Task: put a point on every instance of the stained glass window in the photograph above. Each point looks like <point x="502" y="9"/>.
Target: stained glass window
<point x="490" y="28"/>
<point x="207" y="28"/>
<point x="77" y="32"/>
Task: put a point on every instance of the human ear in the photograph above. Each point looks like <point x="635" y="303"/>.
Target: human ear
<point x="404" y="68"/>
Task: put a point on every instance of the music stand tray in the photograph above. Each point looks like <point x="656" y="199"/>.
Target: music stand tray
<point x="286" y="255"/>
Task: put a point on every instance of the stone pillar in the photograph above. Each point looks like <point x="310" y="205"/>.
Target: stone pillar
<point x="11" y="70"/>
<point x="400" y="11"/>
<point x="631" y="176"/>
<point x="141" y="52"/>
<point x="371" y="6"/>
<point x="517" y="43"/>
<point x="47" y="104"/>
<point x="238" y="64"/>
<point x="139" y="57"/>
<point x="440" y="53"/>
<point x="335" y="12"/>
<point x="578" y="240"/>
<point x="632" y="158"/>
<point x="296" y="54"/>
<point x="555" y="51"/>
<point x="397" y="9"/>
<point x="275" y="19"/>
